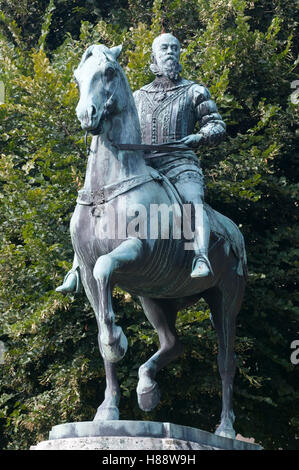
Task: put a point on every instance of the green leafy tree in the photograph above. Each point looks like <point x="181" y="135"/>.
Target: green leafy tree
<point x="245" y="53"/>
<point x="67" y="15"/>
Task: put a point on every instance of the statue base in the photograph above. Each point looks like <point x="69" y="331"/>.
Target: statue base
<point x="136" y="435"/>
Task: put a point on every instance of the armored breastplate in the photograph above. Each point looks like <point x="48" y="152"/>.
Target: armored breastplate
<point x="166" y="113"/>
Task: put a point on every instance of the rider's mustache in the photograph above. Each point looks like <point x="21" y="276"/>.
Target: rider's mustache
<point x="170" y="61"/>
<point x="169" y="57"/>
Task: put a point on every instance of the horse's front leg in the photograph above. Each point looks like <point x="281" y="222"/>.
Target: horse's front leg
<point x="108" y="410"/>
<point x="113" y="343"/>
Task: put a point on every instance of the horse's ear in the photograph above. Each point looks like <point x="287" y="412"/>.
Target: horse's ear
<point x="115" y="51"/>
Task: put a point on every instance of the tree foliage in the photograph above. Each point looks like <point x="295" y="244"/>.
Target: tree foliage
<point x="246" y="54"/>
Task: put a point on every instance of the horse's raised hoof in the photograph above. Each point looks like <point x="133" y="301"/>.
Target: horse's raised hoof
<point x="149" y="399"/>
<point x="107" y="414"/>
<point x="114" y="351"/>
<point x="228" y="432"/>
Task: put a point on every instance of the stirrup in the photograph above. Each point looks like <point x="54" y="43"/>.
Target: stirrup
<point x="202" y="257"/>
<point x="76" y="288"/>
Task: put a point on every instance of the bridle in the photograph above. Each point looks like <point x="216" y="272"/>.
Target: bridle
<point x="106" y="112"/>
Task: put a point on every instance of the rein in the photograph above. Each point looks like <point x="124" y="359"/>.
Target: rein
<point x="167" y="147"/>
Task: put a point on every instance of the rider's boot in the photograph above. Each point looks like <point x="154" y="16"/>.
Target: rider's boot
<point x="71" y="282"/>
<point x="201" y="266"/>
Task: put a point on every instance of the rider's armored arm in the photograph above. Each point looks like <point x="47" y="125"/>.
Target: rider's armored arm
<point x="212" y="128"/>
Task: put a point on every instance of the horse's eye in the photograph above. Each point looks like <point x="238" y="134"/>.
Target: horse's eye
<point x="109" y="73"/>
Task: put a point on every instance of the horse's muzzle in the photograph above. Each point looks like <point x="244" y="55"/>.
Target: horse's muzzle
<point x="89" y="118"/>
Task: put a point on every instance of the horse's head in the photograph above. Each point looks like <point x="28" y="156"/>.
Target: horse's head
<point x="99" y="79"/>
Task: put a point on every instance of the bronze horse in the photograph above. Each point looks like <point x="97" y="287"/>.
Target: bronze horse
<point x="156" y="269"/>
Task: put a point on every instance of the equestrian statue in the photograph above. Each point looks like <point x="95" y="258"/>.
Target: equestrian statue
<point x="141" y="157"/>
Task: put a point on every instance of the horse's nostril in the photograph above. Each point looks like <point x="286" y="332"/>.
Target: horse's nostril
<point x="93" y="110"/>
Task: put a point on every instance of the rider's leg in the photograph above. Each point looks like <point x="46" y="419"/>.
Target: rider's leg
<point x="192" y="192"/>
<point x="201" y="264"/>
<point x="71" y="282"/>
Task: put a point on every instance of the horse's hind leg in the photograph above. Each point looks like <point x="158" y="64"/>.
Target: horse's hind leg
<point x="113" y="343"/>
<point x="108" y="410"/>
<point x="162" y="315"/>
<point x="225" y="302"/>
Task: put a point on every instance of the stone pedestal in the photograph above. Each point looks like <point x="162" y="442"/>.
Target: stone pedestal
<point x="136" y="435"/>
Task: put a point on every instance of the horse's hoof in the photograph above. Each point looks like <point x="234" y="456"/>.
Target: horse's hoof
<point x="107" y="414"/>
<point x="116" y="350"/>
<point x="225" y="432"/>
<point x="149" y="399"/>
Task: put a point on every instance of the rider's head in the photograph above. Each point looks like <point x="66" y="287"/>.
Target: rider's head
<point x="165" y="56"/>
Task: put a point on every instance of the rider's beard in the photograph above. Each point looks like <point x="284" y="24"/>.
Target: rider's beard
<point x="170" y="68"/>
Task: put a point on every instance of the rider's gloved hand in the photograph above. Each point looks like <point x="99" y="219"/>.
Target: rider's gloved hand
<point x="192" y="140"/>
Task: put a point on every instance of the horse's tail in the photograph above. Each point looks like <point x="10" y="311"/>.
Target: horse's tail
<point x="225" y="228"/>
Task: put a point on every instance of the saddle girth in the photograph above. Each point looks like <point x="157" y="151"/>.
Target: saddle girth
<point x="111" y="191"/>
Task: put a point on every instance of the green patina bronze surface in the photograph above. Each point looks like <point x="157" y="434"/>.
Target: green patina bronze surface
<point x="119" y="183"/>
